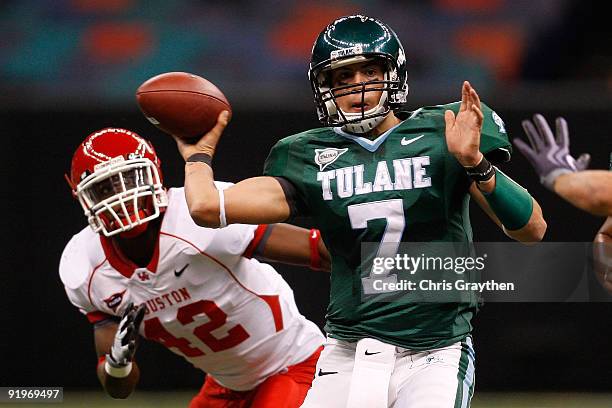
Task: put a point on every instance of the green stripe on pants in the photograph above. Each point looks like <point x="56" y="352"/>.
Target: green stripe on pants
<point x="461" y="399"/>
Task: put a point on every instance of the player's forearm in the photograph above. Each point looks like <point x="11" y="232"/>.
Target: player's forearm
<point x="257" y="200"/>
<point x="119" y="388"/>
<point x="296" y="246"/>
<point x="511" y="207"/>
<point x="201" y="194"/>
<point x="535" y="228"/>
<point x="589" y="190"/>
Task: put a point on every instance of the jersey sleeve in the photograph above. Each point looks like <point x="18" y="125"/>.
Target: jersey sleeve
<point x="285" y="160"/>
<point x="276" y="162"/>
<point x="259" y="239"/>
<point x="75" y="271"/>
<point x="494" y="143"/>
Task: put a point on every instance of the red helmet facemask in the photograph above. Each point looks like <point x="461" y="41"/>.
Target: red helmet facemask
<point x="116" y="177"/>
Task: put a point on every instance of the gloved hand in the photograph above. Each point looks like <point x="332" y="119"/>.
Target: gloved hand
<point x="549" y="155"/>
<point x="119" y="360"/>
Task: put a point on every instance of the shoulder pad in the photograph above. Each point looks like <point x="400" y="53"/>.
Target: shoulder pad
<point x="232" y="239"/>
<point x="82" y="253"/>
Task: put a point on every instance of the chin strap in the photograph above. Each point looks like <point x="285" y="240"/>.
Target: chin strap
<point x="135" y="231"/>
<point x="364" y="126"/>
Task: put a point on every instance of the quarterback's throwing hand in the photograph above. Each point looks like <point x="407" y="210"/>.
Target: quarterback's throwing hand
<point x="207" y="143"/>
<point x="463" y="129"/>
<point x="124" y="344"/>
<point x="549" y="155"/>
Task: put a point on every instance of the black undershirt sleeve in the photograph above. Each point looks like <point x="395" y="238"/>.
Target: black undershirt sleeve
<point x="296" y="207"/>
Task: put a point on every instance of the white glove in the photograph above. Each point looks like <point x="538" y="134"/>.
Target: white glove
<point x="119" y="360"/>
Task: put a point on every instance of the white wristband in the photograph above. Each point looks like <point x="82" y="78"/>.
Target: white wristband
<point x="222" y="220"/>
<point x="118" y="372"/>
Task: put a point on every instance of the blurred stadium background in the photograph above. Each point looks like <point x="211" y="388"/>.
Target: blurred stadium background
<point x="69" y="67"/>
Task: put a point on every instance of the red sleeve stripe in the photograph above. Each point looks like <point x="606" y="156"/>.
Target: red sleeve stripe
<point x="259" y="234"/>
<point x="95" y="317"/>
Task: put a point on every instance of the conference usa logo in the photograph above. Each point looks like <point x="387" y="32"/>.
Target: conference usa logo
<point x="499" y="122"/>
<point x="114" y="300"/>
<point x="325" y="157"/>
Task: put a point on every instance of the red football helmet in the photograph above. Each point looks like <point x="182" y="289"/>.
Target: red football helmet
<point x="116" y="176"/>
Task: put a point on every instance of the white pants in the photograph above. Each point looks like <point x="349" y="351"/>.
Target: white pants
<point x="436" y="378"/>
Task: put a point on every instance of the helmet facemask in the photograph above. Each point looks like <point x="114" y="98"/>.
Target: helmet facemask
<point x="121" y="195"/>
<point x="356" y="122"/>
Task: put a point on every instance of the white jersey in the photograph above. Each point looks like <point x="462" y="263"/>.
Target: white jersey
<point x="233" y="317"/>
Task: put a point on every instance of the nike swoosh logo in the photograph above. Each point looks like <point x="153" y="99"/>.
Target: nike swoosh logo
<point x="180" y="271"/>
<point x="370" y="354"/>
<point x="322" y="373"/>
<point x="406" y="142"/>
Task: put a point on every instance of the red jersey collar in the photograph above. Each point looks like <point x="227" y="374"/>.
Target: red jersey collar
<point x="121" y="263"/>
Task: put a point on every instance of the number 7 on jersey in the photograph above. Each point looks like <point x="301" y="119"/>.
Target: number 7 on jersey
<point x="393" y="212"/>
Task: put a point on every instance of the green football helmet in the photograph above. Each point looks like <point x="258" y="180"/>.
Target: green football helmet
<point x="350" y="40"/>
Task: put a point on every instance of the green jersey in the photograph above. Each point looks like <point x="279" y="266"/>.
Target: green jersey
<point x="403" y="186"/>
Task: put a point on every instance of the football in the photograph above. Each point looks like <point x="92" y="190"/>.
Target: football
<point x="182" y="104"/>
